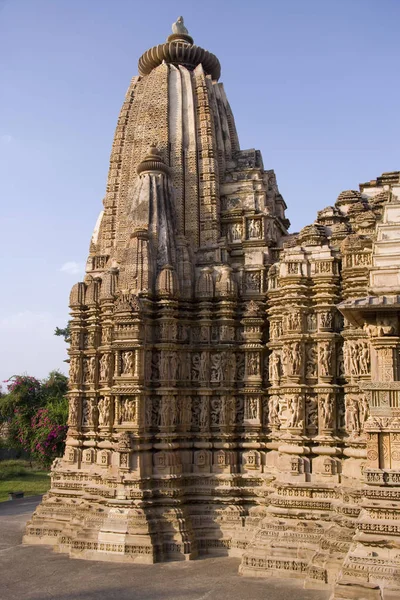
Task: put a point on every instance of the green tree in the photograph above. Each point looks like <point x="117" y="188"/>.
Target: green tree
<point x="64" y="332"/>
<point x="36" y="414"/>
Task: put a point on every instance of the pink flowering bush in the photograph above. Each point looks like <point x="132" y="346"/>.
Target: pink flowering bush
<point x="47" y="437"/>
<point x="36" y="414"/>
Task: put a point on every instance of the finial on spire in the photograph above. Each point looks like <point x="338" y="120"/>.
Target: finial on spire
<point x="153" y="161"/>
<point x="179" y="26"/>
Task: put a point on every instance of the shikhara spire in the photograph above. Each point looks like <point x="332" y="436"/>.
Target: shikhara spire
<point x="219" y="402"/>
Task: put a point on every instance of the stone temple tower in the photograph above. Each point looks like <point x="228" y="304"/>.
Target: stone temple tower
<point x="234" y="388"/>
<point x="167" y="354"/>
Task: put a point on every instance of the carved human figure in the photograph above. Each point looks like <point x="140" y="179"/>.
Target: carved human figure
<point x="312" y="413"/>
<point x="104" y="407"/>
<point x="127" y="362"/>
<point x="196" y="367"/>
<point x="106" y="335"/>
<point x="164" y="365"/>
<point x="149" y="412"/>
<point x="284" y="360"/>
<point x="129" y="410"/>
<point x="311" y="322"/>
<point x="75" y="339"/>
<point x="352" y="415"/>
<point x="363" y="410"/>
<point x="354" y="358"/>
<point x="164" y="415"/>
<point x="89" y="372"/>
<point x="223" y="411"/>
<point x="73" y="411"/>
<point x="252" y="281"/>
<point x="364" y="358"/>
<point x="327" y="411"/>
<point x="273" y="410"/>
<point x="293" y="321"/>
<point x="216" y="368"/>
<point x="74" y="369"/>
<point x="254" y="228"/>
<point x="203" y="366"/>
<point x="295" y="358"/>
<point x="173" y="366"/>
<point x="203" y="416"/>
<point x="91" y="339"/>
<point x="89" y="412"/>
<point x="326" y="320"/>
<point x="252" y="408"/>
<point x="295" y="406"/>
<point x="105" y="367"/>
<point x="275" y="363"/>
<point x="274" y="330"/>
<point x="235" y="231"/>
<point x="253" y="363"/>
<point x="270" y="230"/>
<point x="231" y="410"/>
<point x="311" y="364"/>
<point x="325" y="359"/>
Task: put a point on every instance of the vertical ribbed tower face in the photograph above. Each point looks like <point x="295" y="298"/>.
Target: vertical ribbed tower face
<point x="210" y="188"/>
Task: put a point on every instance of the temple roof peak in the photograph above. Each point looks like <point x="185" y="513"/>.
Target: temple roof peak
<point x="179" y="26"/>
<point x="180" y="33"/>
<point x="179" y="50"/>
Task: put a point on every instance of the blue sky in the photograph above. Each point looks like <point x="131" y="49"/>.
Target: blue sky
<point x="313" y="84"/>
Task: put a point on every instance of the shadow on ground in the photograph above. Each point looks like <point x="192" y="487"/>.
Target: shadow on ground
<point x="37" y="573"/>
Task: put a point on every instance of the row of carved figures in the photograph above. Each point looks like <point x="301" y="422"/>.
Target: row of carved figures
<point x="172" y="331"/>
<point x="291" y="411"/>
<point x="319" y="360"/>
<point x="164" y="411"/>
<point x="323" y="414"/>
<point x="228" y="366"/>
<point x="170" y="365"/>
<point x="87" y="367"/>
<point x="295" y="321"/>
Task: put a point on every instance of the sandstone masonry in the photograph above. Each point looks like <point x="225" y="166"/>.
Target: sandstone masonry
<point x="234" y="388"/>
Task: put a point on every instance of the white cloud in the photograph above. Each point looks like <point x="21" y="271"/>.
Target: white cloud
<point x="72" y="267"/>
<point x="6" y="139"/>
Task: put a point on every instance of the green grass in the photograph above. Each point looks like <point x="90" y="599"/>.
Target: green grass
<point x="19" y="476"/>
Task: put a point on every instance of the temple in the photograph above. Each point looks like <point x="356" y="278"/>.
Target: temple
<point x="234" y="388"/>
